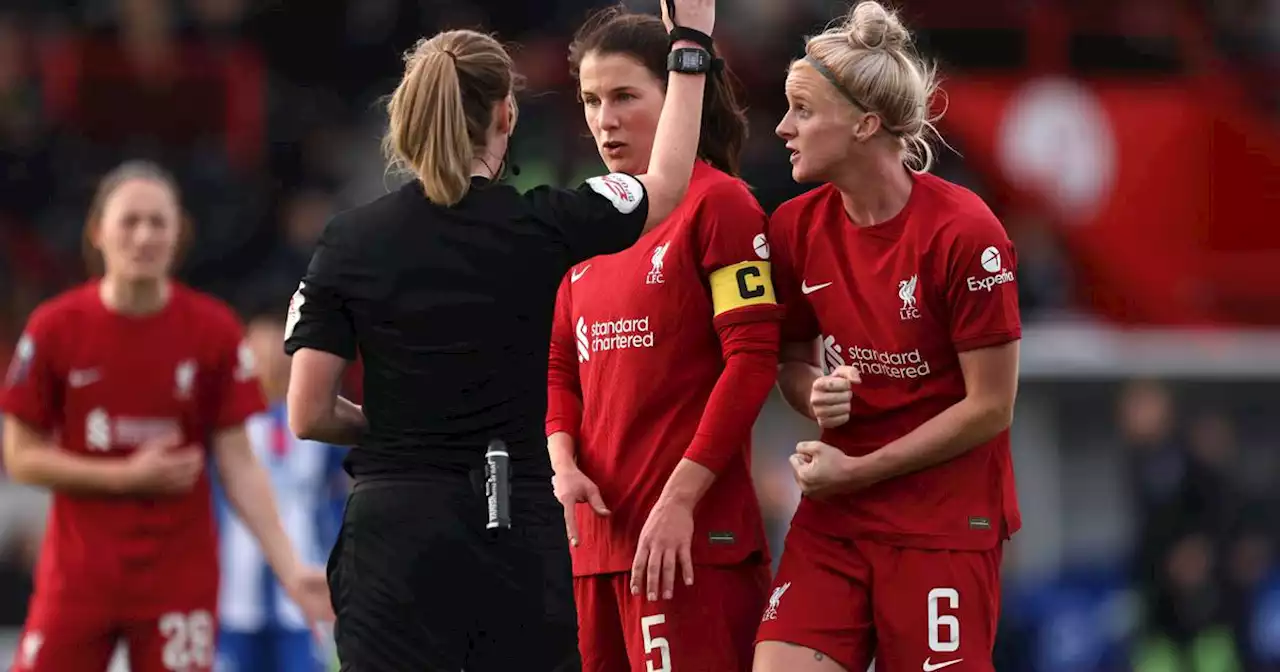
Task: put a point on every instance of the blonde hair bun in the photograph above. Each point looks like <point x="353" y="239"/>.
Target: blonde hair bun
<point x="871" y="56"/>
<point x="871" y="26"/>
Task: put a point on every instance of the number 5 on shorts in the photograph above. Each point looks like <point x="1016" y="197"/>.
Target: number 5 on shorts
<point x="939" y="621"/>
<point x="658" y="644"/>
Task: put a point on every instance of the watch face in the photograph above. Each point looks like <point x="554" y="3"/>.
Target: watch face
<point x="690" y="59"/>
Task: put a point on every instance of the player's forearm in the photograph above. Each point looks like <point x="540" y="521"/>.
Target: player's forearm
<point x="31" y="459"/>
<point x="560" y="446"/>
<point x="948" y="435"/>
<point x="49" y="466"/>
<point x="795" y="382"/>
<point x="564" y="405"/>
<point x="248" y="490"/>
<point x="724" y="431"/>
<point x="688" y="483"/>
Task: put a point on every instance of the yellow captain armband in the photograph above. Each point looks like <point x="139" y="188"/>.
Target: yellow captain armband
<point x="740" y="285"/>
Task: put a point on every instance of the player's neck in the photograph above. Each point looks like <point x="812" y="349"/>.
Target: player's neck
<point x="134" y="297"/>
<point x="874" y="191"/>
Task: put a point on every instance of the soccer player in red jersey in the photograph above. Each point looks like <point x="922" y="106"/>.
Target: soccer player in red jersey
<point x="119" y="391"/>
<point x="661" y="358"/>
<point x="903" y="286"/>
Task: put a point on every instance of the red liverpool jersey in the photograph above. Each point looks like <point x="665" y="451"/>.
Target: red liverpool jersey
<point x="100" y="384"/>
<point x="635" y="338"/>
<point x="899" y="301"/>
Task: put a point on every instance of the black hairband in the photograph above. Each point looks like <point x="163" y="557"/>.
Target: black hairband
<point x="830" y="77"/>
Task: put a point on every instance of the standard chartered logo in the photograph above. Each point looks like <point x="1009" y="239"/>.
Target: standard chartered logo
<point x="621" y="334"/>
<point x="104" y="432"/>
<point x="584" y="343"/>
<point x="872" y="362"/>
<point x="97" y="430"/>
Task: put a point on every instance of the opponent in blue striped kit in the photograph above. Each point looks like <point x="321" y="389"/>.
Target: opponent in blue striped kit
<point x="261" y="630"/>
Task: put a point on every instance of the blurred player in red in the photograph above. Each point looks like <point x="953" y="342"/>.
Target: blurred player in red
<point x="661" y="358"/>
<point x="903" y="285"/>
<point x="120" y="390"/>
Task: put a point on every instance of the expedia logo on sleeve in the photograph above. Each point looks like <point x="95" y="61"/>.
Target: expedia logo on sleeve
<point x="990" y="282"/>
<point x="992" y="263"/>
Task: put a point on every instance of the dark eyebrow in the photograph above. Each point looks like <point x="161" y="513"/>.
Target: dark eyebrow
<point x="614" y="91"/>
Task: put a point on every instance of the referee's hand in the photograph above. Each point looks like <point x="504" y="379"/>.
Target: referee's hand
<point x="572" y="486"/>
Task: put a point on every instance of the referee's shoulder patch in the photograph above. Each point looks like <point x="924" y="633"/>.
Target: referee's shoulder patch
<point x="295" y="310"/>
<point x="748" y="283"/>
<point x="622" y="190"/>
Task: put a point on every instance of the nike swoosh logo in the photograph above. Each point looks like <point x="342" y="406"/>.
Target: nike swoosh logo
<point x="809" y="290"/>
<point x="577" y="275"/>
<point x="928" y="667"/>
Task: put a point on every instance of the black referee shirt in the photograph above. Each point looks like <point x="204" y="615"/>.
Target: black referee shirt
<point x="451" y="310"/>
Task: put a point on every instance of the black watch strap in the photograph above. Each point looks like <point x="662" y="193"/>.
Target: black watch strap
<point x="696" y="36"/>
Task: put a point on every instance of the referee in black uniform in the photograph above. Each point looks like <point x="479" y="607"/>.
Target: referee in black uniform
<point x="448" y="560"/>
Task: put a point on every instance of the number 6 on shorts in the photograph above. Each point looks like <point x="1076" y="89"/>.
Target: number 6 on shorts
<point x="939" y="621"/>
<point x="658" y="644"/>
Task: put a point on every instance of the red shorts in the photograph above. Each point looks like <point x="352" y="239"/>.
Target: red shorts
<point x="706" y="627"/>
<point x="909" y="608"/>
<point x="56" y="638"/>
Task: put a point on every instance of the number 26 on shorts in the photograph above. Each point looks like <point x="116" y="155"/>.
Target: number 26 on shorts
<point x="940" y="622"/>
<point x="655" y="645"/>
<point x="189" y="639"/>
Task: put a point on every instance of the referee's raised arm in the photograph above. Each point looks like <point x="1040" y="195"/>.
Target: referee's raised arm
<point x="446" y="289"/>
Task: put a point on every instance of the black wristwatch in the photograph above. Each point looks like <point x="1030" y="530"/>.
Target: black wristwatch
<point x="690" y="61"/>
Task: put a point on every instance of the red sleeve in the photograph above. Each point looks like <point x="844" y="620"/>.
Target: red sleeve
<point x="750" y="365"/>
<point x="981" y="284"/>
<point x="32" y="392"/>
<point x="735" y="255"/>
<point x="564" y="390"/>
<point x="799" y="324"/>
<point x="239" y="395"/>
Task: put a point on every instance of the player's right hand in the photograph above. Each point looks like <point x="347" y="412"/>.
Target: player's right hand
<point x="162" y="467"/>
<point x="699" y="15"/>
<point x="571" y="487"/>
<point x="832" y="396"/>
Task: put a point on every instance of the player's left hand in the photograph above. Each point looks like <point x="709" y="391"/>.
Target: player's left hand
<point x="665" y="542"/>
<point x="822" y="469"/>
<point x="309" y="589"/>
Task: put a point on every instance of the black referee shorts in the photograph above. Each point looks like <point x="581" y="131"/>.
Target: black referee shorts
<point x="419" y="584"/>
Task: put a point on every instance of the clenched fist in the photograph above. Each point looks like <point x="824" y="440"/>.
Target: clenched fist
<point x="832" y="396"/>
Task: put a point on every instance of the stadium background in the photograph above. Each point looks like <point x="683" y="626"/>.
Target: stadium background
<point x="1130" y="146"/>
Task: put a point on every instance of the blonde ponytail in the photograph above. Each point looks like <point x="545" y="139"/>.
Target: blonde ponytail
<point x="434" y="131"/>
